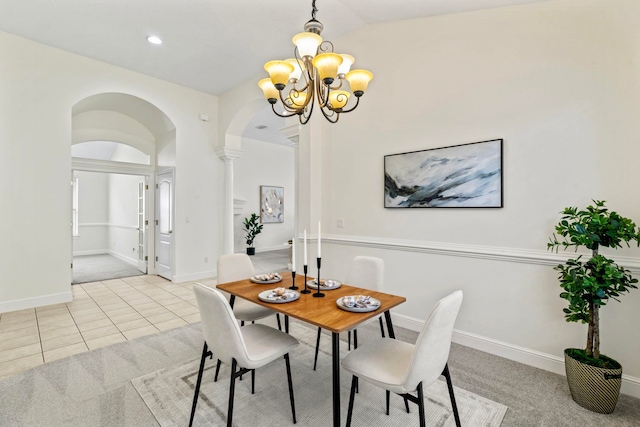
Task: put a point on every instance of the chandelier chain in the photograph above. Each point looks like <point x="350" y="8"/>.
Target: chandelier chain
<point x="314" y="9"/>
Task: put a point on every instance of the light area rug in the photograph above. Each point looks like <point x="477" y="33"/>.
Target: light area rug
<point x="168" y="394"/>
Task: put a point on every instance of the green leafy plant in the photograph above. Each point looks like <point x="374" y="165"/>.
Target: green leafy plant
<point x="589" y="285"/>
<point x="252" y="228"/>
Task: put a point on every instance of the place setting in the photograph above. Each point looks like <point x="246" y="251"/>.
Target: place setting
<point x="358" y="303"/>
<point x="266" y="279"/>
<point x="279" y="295"/>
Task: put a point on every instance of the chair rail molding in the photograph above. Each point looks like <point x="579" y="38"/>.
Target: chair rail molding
<point x="527" y="256"/>
<point x="527" y="356"/>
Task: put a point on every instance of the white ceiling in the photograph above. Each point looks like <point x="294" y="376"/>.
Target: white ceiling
<point x="209" y="45"/>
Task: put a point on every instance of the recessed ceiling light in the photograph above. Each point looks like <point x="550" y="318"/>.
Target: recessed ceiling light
<point x="154" y="40"/>
<point x="261" y="127"/>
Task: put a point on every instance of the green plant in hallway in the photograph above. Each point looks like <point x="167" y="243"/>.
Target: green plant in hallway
<point x="252" y="229"/>
<point x="594" y="379"/>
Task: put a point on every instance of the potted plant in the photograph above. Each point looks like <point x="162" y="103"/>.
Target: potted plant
<point x="252" y="229"/>
<point x="594" y="379"/>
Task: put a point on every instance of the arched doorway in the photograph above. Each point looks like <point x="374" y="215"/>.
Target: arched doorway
<point x="120" y="143"/>
<point x="261" y="151"/>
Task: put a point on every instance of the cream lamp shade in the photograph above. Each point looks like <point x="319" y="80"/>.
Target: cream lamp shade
<point x="279" y="72"/>
<point x="269" y="90"/>
<point x="296" y="100"/>
<point x="358" y="80"/>
<point x="347" y="62"/>
<point x="327" y="65"/>
<point x="307" y="44"/>
<point x="297" y="70"/>
<point x="338" y="98"/>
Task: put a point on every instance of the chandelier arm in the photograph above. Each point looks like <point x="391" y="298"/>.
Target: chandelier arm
<point x="329" y="116"/>
<point x="325" y="46"/>
<point x="352" y="108"/>
<point x="323" y="93"/>
<point x="336" y="87"/>
<point x="286" y="116"/>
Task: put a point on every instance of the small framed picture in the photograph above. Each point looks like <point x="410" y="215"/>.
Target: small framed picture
<point x="271" y="204"/>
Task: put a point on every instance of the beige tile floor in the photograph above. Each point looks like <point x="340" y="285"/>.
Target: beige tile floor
<point x="101" y="313"/>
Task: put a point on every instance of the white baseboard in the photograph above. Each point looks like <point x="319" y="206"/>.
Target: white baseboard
<point x="195" y="276"/>
<point x="21" y="304"/>
<point x="265" y="249"/>
<point x="537" y="359"/>
<point x="91" y="252"/>
<point x="124" y="258"/>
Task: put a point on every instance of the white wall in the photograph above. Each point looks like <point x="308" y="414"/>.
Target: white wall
<point x="93" y="213"/>
<point x="263" y="163"/>
<point x="40" y="85"/>
<point x="559" y="82"/>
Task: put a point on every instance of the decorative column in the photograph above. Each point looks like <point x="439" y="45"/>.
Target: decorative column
<point x="228" y="155"/>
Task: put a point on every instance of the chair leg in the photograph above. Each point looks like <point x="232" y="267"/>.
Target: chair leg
<point x="352" y="397"/>
<point x="315" y="360"/>
<point x="286" y="323"/>
<point x="349" y="340"/>
<point x="406" y="405"/>
<point x="215" y="380"/>
<point x="293" y="403"/>
<point x="242" y="323"/>
<point x="253" y="381"/>
<point x="355" y="339"/>
<point x="421" y="406"/>
<point x="447" y="376"/>
<point x="232" y="389"/>
<point x="253" y="322"/>
<point x="205" y="354"/>
<point x="388" y="393"/>
<point x="278" y="319"/>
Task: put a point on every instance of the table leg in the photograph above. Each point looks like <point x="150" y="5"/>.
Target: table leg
<point x="387" y="316"/>
<point x="335" y="355"/>
<point x="232" y="300"/>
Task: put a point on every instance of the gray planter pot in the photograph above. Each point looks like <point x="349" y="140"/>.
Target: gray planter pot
<point x="251" y="251"/>
<point x="593" y="388"/>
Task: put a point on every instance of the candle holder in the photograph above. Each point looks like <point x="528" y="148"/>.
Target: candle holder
<point x="318" y="294"/>
<point x="305" y="290"/>
<point x="293" y="281"/>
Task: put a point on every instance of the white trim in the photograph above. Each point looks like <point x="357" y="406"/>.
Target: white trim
<point x="527" y="256"/>
<point x="108" y="166"/>
<point x="92" y="252"/>
<point x="195" y="276"/>
<point x="537" y="359"/>
<point x="267" y="248"/>
<point x="21" y="304"/>
<point x="133" y="262"/>
<point x="126" y="227"/>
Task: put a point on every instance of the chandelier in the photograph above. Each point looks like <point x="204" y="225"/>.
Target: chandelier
<point x="323" y="75"/>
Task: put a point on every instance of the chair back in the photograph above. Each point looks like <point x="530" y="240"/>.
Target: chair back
<point x="434" y="342"/>
<point x="366" y="272"/>
<point x="219" y="326"/>
<point x="233" y="267"/>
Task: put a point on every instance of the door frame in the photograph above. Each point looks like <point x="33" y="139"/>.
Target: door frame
<point x="106" y="166"/>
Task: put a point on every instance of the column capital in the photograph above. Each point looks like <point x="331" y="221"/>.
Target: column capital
<point x="226" y="153"/>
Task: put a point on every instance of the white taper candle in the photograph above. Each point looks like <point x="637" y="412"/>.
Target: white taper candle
<point x="305" y="247"/>
<point x="319" y="245"/>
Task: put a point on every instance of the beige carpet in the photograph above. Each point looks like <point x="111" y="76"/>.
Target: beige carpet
<point x="168" y="393"/>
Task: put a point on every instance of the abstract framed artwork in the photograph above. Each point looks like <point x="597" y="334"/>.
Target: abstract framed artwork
<point x="460" y="176"/>
<point x="271" y="204"/>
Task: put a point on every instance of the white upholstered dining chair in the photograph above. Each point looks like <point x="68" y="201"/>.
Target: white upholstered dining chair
<point x="364" y="272"/>
<point x="243" y="348"/>
<point x="404" y="368"/>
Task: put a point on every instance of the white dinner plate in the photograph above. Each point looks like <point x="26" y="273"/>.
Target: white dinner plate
<point x="373" y="305"/>
<point x="255" y="279"/>
<point x="266" y="296"/>
<point x="335" y="284"/>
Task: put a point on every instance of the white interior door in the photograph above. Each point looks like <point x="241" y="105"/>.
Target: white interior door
<point x="164" y="224"/>
<point x="142" y="226"/>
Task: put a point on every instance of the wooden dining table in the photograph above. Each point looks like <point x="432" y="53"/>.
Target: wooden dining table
<point x="321" y="312"/>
